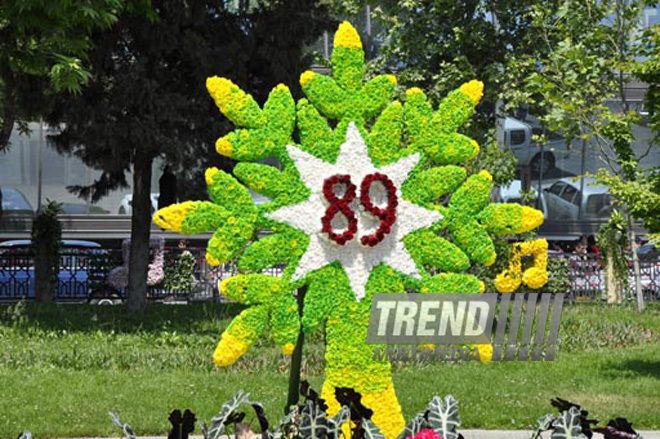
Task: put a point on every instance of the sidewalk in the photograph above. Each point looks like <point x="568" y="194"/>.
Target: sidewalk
<point x="519" y="434"/>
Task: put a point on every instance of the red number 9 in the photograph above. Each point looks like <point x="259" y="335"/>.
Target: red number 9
<point x="387" y="216"/>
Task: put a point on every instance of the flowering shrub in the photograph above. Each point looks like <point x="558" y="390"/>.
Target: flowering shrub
<point x="118" y="276"/>
<point x="179" y="273"/>
<point x="426" y="433"/>
<point x="356" y="210"/>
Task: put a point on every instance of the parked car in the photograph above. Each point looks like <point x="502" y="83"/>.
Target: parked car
<point x="126" y="204"/>
<point x="511" y="194"/>
<point x="16" y="212"/>
<point x="649" y="251"/>
<point x="517" y="136"/>
<point x="81" y="209"/>
<point x="13" y="201"/>
<point x="564" y="200"/>
<point x="17" y="270"/>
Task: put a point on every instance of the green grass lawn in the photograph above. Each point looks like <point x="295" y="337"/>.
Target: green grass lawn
<point x="62" y="368"/>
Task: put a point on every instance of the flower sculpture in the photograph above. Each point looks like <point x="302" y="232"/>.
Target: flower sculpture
<point x="373" y="201"/>
<point x="118" y="276"/>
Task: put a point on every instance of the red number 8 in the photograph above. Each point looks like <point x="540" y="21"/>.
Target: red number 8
<point x="339" y="205"/>
<point x="387" y="215"/>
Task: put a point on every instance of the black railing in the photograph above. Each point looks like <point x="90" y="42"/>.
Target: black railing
<point x="83" y="276"/>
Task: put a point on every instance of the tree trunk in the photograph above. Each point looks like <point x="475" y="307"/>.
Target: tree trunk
<point x="296" y="357"/>
<point x="138" y="261"/>
<point x="611" y="284"/>
<point x="633" y="248"/>
<point x="7" y="126"/>
<point x="43" y="273"/>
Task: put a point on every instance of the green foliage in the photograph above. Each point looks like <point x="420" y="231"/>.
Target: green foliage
<point x="499" y="162"/>
<point x="558" y="276"/>
<point x="588" y="50"/>
<point x="612" y="241"/>
<point x="179" y="275"/>
<point x="442" y="44"/>
<point x="46" y="242"/>
<point x="147" y="99"/>
<point x="43" y="50"/>
<point x="570" y="74"/>
<point x="593" y="328"/>
<point x="99" y="353"/>
<point x="443" y="417"/>
<point x="47" y="228"/>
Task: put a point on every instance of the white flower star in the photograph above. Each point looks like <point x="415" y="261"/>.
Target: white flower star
<point x="357" y="259"/>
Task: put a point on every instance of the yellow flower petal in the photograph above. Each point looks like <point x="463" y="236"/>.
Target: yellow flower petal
<point x="474" y="90"/>
<point x="229" y="350"/>
<point x="413" y="91"/>
<point x="223" y="146"/>
<point x="306" y="77"/>
<point x="209" y="174"/>
<point x="347" y="36"/>
<point x="172" y="217"/>
<point x="288" y="348"/>
<point x="531" y="218"/>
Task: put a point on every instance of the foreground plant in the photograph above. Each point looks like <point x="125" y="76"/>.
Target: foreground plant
<point x="374" y="198"/>
<point x="309" y="420"/>
<point x="573" y="423"/>
<point x="439" y="420"/>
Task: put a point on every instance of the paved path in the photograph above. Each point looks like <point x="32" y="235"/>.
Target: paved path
<point x="518" y="434"/>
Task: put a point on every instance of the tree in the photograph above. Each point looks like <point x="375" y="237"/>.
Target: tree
<point x="642" y="194"/>
<point x="438" y="45"/>
<point x="586" y="52"/>
<point x="46" y="243"/>
<point x="42" y="48"/>
<point x="148" y="97"/>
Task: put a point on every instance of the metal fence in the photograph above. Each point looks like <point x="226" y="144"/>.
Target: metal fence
<point x="83" y="276"/>
<point x="582" y="277"/>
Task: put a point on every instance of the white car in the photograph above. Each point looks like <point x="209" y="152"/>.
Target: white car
<point x="126" y="205"/>
<point x="511" y="194"/>
<point x="517" y="135"/>
<point x="564" y="199"/>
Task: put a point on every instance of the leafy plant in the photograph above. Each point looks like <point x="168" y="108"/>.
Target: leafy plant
<point x="182" y="425"/>
<point x="179" y="274"/>
<point x="559" y="272"/>
<point x="414" y="426"/>
<point x="128" y="431"/>
<point x="568" y="426"/>
<point x="443" y="417"/>
<point x="440" y="420"/>
<point x="228" y="414"/>
<point x="612" y="241"/>
<point x="46" y="243"/>
<point x="618" y="428"/>
<point x="574" y="423"/>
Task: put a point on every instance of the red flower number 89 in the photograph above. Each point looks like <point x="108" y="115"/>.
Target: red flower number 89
<point x="387" y="215"/>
